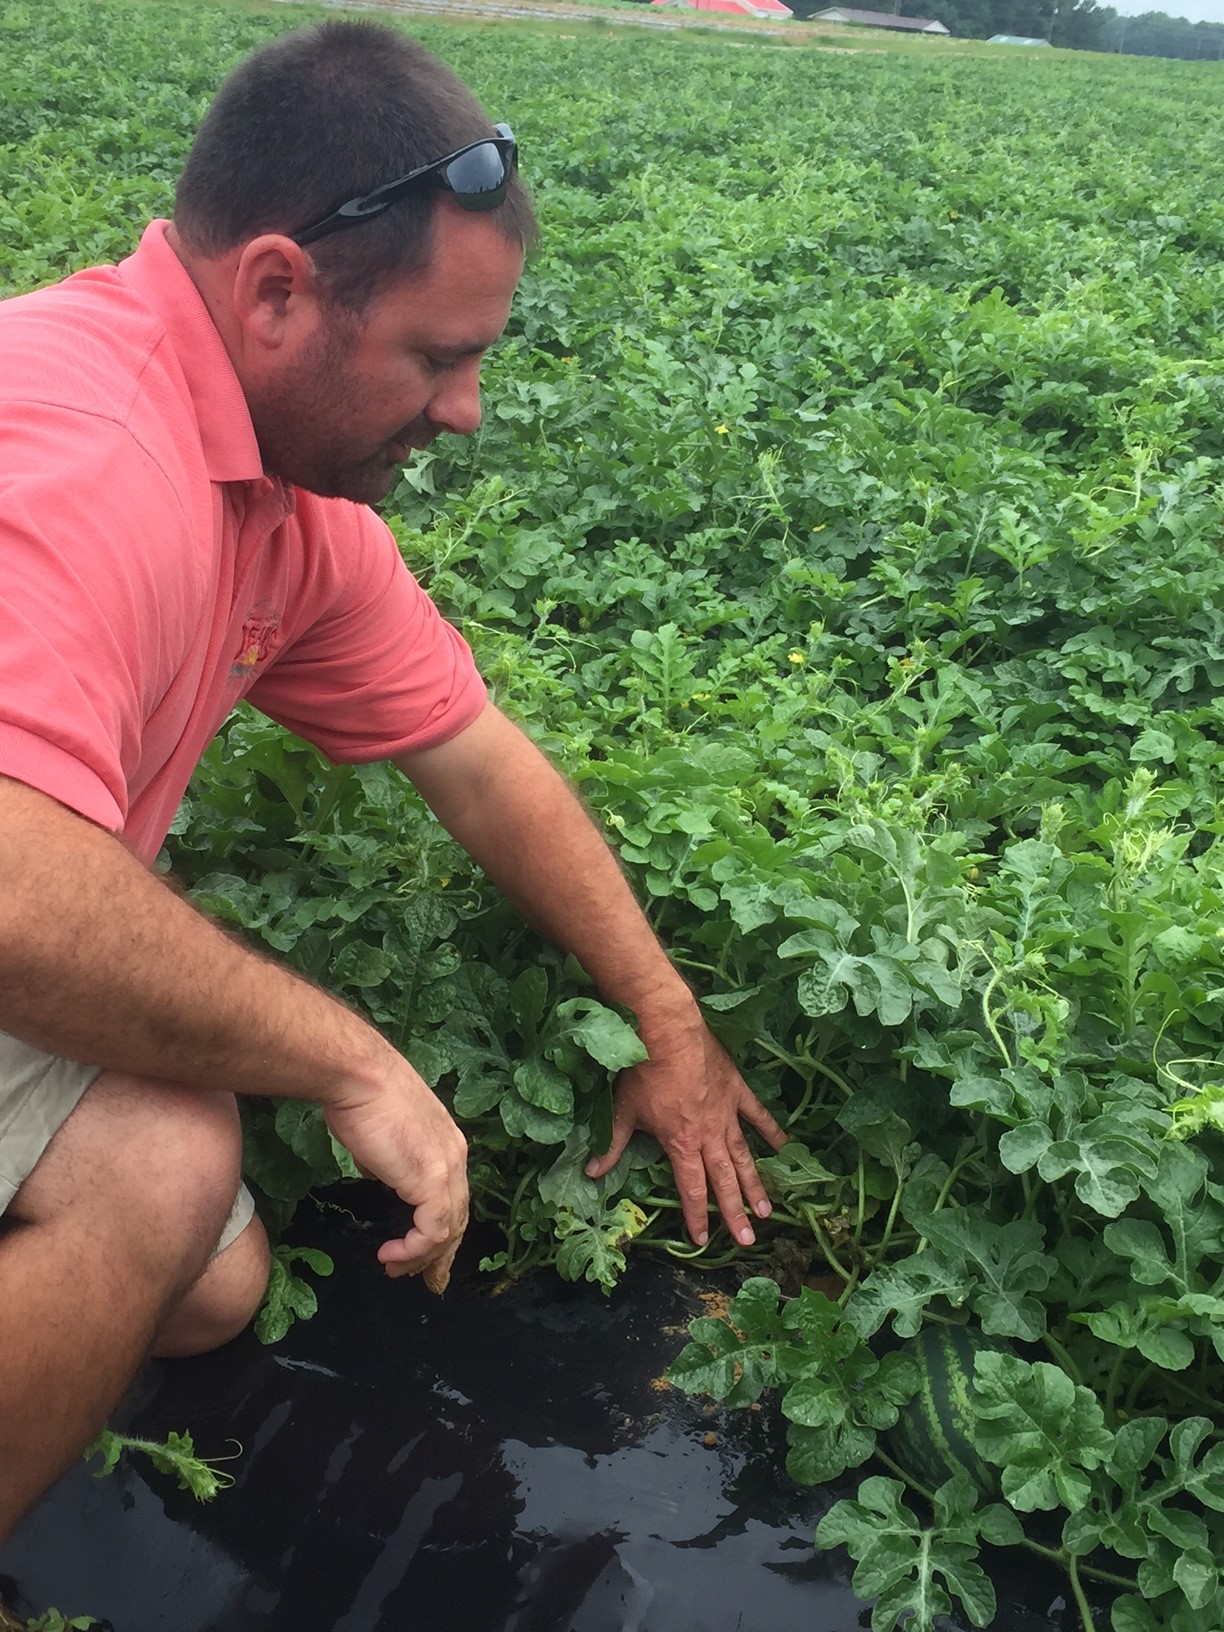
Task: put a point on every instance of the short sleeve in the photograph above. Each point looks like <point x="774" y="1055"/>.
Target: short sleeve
<point x="83" y="542"/>
<point x="371" y="669"/>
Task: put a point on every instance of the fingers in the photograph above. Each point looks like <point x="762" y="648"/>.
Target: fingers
<point x="432" y="1242"/>
<point x="405" y="1137"/>
<point x="437" y="1272"/>
<point x="725" y="1166"/>
<point x="690" y="1175"/>
<point x="701" y="1133"/>
<point x="439" y="1219"/>
<point x="751" y="1187"/>
<point x="731" y="1172"/>
<point x="755" y="1113"/>
<point x="622" y="1132"/>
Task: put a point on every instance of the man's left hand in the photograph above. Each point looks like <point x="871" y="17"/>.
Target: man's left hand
<point x="692" y="1098"/>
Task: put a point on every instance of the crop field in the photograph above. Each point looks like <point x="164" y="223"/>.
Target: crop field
<point x="846" y="521"/>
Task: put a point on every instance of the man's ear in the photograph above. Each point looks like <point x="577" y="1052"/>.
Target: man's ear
<point x="274" y="291"/>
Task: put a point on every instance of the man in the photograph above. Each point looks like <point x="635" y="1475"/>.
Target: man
<point x="188" y="444"/>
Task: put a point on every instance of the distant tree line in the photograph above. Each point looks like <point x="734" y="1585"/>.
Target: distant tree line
<point x="1081" y="25"/>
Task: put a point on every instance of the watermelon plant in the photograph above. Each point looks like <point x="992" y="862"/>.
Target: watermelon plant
<point x="176" y="1455"/>
<point x="52" y="1620"/>
<point x="846" y="520"/>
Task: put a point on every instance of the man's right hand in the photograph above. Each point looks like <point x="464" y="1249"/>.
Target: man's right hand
<point x="405" y="1136"/>
<point x="101" y="961"/>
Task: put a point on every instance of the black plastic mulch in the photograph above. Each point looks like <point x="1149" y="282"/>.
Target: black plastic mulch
<point x="464" y="1464"/>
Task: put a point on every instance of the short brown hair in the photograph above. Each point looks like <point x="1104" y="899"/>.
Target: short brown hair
<point x="321" y="115"/>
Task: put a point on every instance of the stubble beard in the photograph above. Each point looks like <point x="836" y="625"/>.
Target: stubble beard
<point x="299" y="426"/>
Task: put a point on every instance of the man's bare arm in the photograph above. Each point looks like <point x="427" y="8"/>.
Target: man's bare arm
<point x="502" y="800"/>
<point x="101" y="961"/>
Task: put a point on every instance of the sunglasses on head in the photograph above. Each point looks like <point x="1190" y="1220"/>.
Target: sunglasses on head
<point x="476" y="174"/>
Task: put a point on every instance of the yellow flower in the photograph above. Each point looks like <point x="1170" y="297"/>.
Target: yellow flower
<point x="821" y="528"/>
<point x="567" y="359"/>
<point x="721" y="430"/>
<point x="797" y="657"/>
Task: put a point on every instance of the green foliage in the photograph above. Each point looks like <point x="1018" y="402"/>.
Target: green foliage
<point x="175" y="1455"/>
<point x="916" y="1572"/>
<point x="593" y="1248"/>
<point x="836" y="1395"/>
<point x="1160" y="34"/>
<point x="289" y="1297"/>
<point x="1043" y="1430"/>
<point x="845" y="520"/>
<point x="51" y="1620"/>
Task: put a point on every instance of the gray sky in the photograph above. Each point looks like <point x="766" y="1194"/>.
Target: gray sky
<point x="1198" y="11"/>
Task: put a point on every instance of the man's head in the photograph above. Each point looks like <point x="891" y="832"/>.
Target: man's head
<point x="367" y="341"/>
<point x="324" y="115"/>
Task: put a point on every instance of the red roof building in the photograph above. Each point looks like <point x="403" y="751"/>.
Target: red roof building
<point x="737" y="8"/>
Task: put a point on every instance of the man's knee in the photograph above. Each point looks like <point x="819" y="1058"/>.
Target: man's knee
<point x="222" y="1302"/>
<point x="151" y="1167"/>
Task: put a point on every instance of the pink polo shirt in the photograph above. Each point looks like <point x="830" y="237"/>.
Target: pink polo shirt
<point x="151" y="575"/>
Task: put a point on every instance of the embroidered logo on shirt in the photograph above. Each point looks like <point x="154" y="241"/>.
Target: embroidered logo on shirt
<point x="258" y="640"/>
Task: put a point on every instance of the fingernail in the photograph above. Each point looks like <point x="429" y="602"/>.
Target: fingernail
<point x="763" y="1209"/>
<point x="702" y="1237"/>
<point x="746" y="1236"/>
<point x="591" y="1169"/>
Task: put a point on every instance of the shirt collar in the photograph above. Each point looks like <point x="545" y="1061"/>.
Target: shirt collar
<point x="227" y="436"/>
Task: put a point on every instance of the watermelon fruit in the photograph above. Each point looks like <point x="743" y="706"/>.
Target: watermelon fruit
<point x="933" y="1437"/>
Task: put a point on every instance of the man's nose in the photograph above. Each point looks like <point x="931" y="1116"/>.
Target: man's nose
<point x="455" y="407"/>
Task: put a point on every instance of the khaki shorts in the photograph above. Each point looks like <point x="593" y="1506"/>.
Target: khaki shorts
<point x="38" y="1093"/>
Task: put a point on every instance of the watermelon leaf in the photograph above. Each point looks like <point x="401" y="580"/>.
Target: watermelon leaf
<point x="904" y="1290"/>
<point x="817" y="1454"/>
<point x="1203" y="1480"/>
<point x="736" y="1359"/>
<point x="289" y="1296"/>
<point x="914" y="1571"/>
<point x="593" y="1248"/>
<point x="1117" y="1520"/>
<point x="1132" y="1615"/>
<point x="996" y="1268"/>
<point x="837" y="1403"/>
<point x="1005" y="1262"/>
<point x="795" y="1172"/>
<point x="835" y="1391"/>
<point x="1042" y="1429"/>
<point x="1194" y="1222"/>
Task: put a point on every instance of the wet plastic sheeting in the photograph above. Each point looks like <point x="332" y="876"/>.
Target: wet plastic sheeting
<point x="469" y="1464"/>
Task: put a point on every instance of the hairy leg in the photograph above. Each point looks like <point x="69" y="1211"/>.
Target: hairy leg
<point x="109" y="1232"/>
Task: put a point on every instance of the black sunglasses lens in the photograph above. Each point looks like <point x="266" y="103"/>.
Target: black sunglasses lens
<point x="478" y="177"/>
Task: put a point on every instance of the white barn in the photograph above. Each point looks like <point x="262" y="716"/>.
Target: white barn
<point x="880" y="19"/>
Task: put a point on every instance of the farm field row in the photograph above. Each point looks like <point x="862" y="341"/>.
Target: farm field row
<point x="846" y="520"/>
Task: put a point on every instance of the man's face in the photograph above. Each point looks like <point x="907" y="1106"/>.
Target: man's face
<point x="343" y="411"/>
